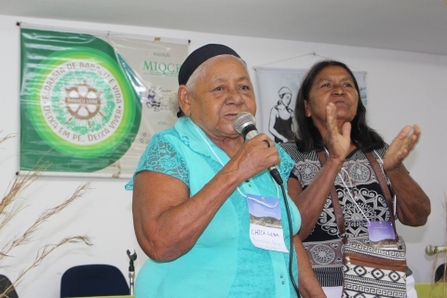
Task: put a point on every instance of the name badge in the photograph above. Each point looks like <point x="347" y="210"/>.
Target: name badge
<point x="266" y="230"/>
<point x="381" y="230"/>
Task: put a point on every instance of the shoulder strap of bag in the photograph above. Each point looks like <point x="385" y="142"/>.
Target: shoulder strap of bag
<point x="380" y="178"/>
<point x="383" y="185"/>
<point x="335" y="202"/>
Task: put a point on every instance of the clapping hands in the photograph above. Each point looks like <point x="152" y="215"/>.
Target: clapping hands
<point x="401" y="147"/>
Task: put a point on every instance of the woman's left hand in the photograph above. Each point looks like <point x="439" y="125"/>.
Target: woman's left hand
<point x="401" y="147"/>
<point x="413" y="204"/>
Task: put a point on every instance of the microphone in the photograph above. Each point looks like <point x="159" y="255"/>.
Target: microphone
<point x="245" y="125"/>
<point x="433" y="250"/>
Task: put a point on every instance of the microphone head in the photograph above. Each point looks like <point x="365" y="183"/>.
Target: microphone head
<point x="243" y="120"/>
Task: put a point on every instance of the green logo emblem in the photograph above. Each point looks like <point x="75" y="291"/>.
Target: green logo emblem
<point x="86" y="106"/>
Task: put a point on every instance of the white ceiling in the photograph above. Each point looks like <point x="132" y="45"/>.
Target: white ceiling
<point x="408" y="25"/>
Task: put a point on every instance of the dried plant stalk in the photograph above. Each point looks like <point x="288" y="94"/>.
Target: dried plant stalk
<point x="439" y="283"/>
<point x="42" y="254"/>
<point x="47" y="249"/>
<point x="9" y="136"/>
<point x="19" y="184"/>
<point x="26" y="236"/>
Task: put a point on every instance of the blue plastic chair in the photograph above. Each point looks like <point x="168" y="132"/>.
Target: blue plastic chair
<point x="93" y="280"/>
<point x="5" y="283"/>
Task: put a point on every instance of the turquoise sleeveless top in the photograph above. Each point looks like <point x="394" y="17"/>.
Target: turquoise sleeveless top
<point x="223" y="262"/>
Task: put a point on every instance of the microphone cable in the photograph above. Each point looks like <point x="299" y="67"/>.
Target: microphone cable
<point x="289" y="222"/>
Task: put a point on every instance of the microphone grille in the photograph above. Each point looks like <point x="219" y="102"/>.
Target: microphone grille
<point x="242" y="120"/>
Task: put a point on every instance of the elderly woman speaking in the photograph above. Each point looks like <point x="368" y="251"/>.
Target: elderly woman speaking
<point x="206" y="209"/>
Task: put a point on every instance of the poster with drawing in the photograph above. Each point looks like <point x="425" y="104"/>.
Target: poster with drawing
<point x="277" y="92"/>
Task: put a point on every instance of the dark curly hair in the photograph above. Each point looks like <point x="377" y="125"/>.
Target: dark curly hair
<point x="308" y="136"/>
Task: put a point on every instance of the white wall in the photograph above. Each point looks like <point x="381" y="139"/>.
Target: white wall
<point x="403" y="88"/>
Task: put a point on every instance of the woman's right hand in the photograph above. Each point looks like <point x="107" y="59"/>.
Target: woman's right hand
<point x="311" y="201"/>
<point x="255" y="156"/>
<point x="337" y="139"/>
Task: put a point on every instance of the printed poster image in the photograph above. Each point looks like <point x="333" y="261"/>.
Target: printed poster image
<point x="86" y="104"/>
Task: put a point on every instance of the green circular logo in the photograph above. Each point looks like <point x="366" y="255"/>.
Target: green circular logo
<point x="85" y="106"/>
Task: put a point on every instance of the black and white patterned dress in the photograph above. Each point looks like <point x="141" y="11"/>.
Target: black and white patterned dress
<point x="355" y="182"/>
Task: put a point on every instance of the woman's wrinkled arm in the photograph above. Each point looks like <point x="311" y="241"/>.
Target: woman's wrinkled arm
<point x="413" y="205"/>
<point x="310" y="202"/>
<point x="308" y="284"/>
<point x="168" y="221"/>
